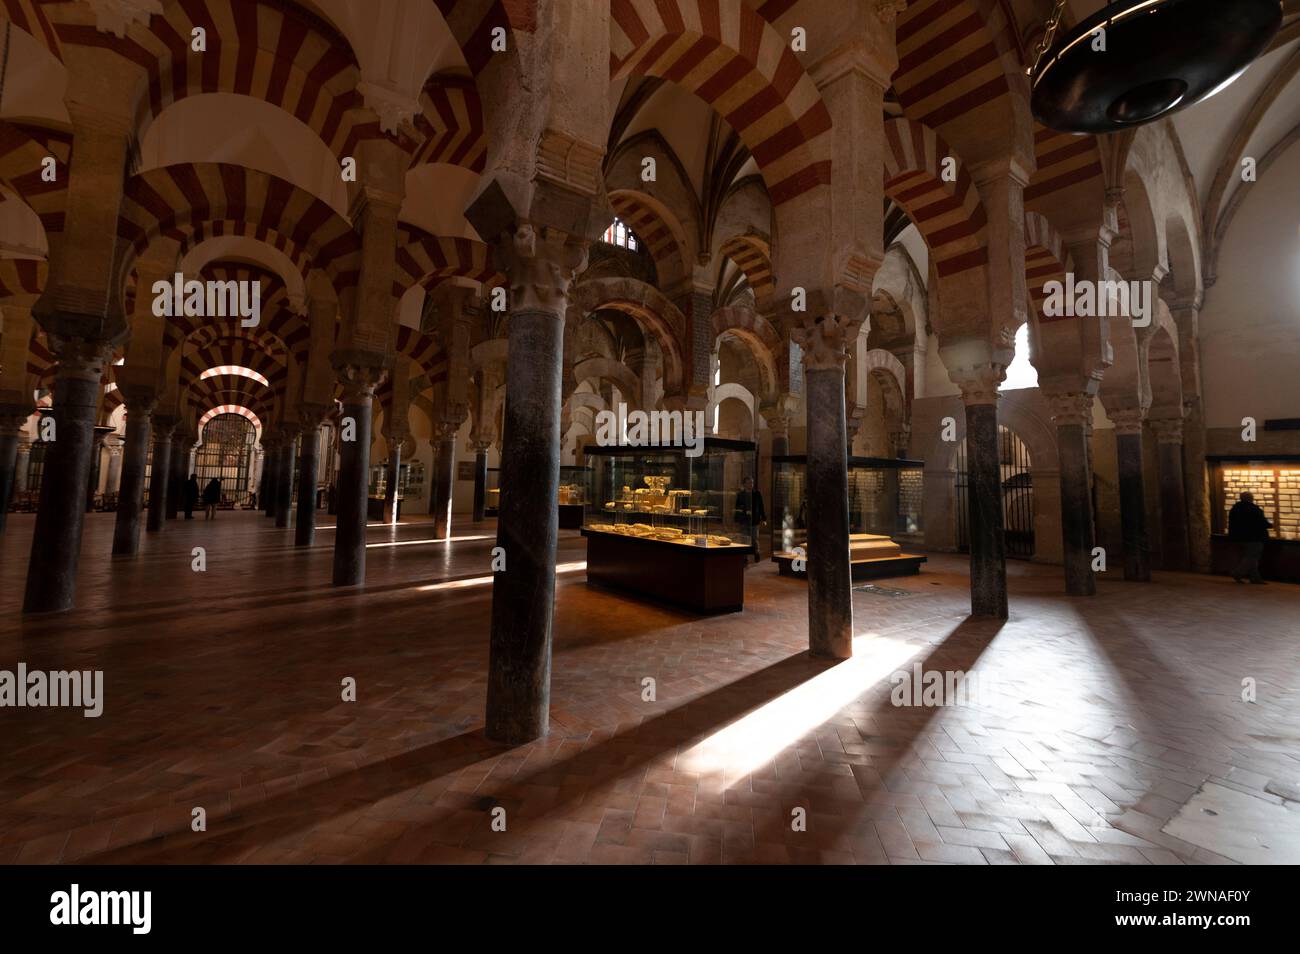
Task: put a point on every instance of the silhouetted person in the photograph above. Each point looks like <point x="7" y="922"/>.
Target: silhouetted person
<point x="750" y="513"/>
<point x="191" y="495"/>
<point x="1248" y="526"/>
<point x="211" y="497"/>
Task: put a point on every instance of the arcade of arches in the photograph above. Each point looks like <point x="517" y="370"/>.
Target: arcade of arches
<point x="477" y="227"/>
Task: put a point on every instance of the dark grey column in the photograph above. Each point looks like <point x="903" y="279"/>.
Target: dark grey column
<point x="176" y="481"/>
<point x="271" y="471"/>
<point x="445" y="474"/>
<point x="359" y="384"/>
<point x="830" y="592"/>
<point x="1072" y="411"/>
<point x="1132" y="499"/>
<point x="988" y="555"/>
<point x="56" y="542"/>
<point x="159" y="475"/>
<point x="11" y="424"/>
<point x="1175" y="549"/>
<point x="392" y="479"/>
<point x="284" y="485"/>
<point x="480" y="481"/>
<point x="130" y="501"/>
<point x="308" y="465"/>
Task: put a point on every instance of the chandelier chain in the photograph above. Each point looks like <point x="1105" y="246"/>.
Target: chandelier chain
<point x="1049" y="35"/>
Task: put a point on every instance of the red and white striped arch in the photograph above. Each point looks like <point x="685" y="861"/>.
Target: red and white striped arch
<point x="231" y="409"/>
<point x="1046" y="260"/>
<point x="450" y="124"/>
<point x="22" y="278"/>
<point x="28" y="16"/>
<point x="753" y="256"/>
<point x="424" y="259"/>
<point x="654" y="225"/>
<point x="728" y="55"/>
<point x="23" y="149"/>
<point x="948" y="214"/>
<point x="180" y="199"/>
<point x="1065" y="161"/>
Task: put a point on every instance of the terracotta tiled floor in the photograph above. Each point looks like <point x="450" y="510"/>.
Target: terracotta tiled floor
<point x="223" y="691"/>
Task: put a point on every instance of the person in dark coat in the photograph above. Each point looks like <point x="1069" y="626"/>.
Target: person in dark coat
<point x="211" y="498"/>
<point x="191" y="496"/>
<point x="1248" y="526"/>
<point x="750" y="513"/>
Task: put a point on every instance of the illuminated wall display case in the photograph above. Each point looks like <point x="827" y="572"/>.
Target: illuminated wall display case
<point x="570" y="498"/>
<point x="884" y="515"/>
<point x="672" y="527"/>
<point x="1274" y="482"/>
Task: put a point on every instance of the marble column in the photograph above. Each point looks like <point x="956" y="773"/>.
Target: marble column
<point x="96" y="465"/>
<point x="284" y="486"/>
<point x="304" y="533"/>
<point x="271" y="470"/>
<point x="1072" y="412"/>
<point x="130" y="500"/>
<point x="11" y="425"/>
<point x="988" y="554"/>
<point x="540" y="267"/>
<point x="392" y="479"/>
<point x="113" y="478"/>
<point x="444" y="466"/>
<point x="480" y="479"/>
<point x="56" y="542"/>
<point x="159" y="475"/>
<point x="1175" y="550"/>
<point x="21" y="465"/>
<point x="1132" y="495"/>
<point x="179" y="461"/>
<point x="359" y="383"/>
<point x="830" y="587"/>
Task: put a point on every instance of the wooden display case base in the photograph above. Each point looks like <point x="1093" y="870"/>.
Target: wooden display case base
<point x="703" y="580"/>
<point x="570" y="516"/>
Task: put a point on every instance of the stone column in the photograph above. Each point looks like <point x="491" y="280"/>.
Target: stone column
<point x="540" y="265"/>
<point x="830" y="587"/>
<point x="179" y="461"/>
<point x="160" y="474"/>
<point x="284" y="485"/>
<point x="56" y="543"/>
<point x="113" y="478"/>
<point x="480" y="477"/>
<point x="778" y="424"/>
<point x="308" y="473"/>
<point x="1072" y="412"/>
<point x="988" y="553"/>
<point x="444" y="465"/>
<point x="1132" y="495"/>
<point x="359" y="383"/>
<point x="1175" y="550"/>
<point x="393" y="478"/>
<point x="271" y="474"/>
<point x="11" y="425"/>
<point x="21" y="465"/>
<point x="96" y="463"/>
<point x="130" y="501"/>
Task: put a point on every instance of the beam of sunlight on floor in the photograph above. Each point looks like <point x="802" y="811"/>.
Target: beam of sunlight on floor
<point x="416" y="543"/>
<point x="759" y="736"/>
<point x="486" y="580"/>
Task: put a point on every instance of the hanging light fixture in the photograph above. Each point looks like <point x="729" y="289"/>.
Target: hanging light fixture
<point x="1136" y="61"/>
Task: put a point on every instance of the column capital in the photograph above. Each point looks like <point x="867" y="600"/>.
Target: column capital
<point x="979" y="384"/>
<point x="1128" y="421"/>
<point x="540" y="264"/>
<point x="823" y="341"/>
<point x="1168" y="430"/>
<point x="80" y="358"/>
<point x="1070" y="407"/>
<point x="311" y="416"/>
<point x="359" y="382"/>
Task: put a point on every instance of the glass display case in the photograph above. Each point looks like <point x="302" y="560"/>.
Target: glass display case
<point x="570" y="498"/>
<point x="670" y="526"/>
<point x="1274" y="483"/>
<point x="492" y="493"/>
<point x="884" y="514"/>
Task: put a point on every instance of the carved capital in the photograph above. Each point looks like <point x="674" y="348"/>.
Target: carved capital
<point x="80" y="358"/>
<point x="396" y="110"/>
<point x="888" y="10"/>
<point x="1128" y="421"/>
<point x="359" y="382"/>
<point x="979" y="384"/>
<point x="116" y="16"/>
<point x="778" y="423"/>
<point x="824" y="343"/>
<point x="1070" y="408"/>
<point x="1168" y="430"/>
<point x="540" y="265"/>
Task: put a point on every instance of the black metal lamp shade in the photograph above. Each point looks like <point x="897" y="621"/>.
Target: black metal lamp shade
<point x="1161" y="56"/>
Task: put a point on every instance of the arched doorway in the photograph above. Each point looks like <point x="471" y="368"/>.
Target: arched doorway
<point x="226" y="454"/>
<point x="1017" y="495"/>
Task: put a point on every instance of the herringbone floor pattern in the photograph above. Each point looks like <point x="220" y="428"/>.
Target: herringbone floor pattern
<point x="1095" y="720"/>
